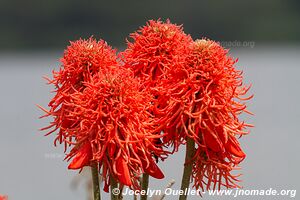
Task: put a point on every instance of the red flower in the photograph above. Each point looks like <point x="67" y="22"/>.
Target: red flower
<point x="205" y="107"/>
<point x="156" y="48"/>
<point x="100" y="111"/>
<point x="115" y="128"/>
<point x="168" y="90"/>
<point x="82" y="60"/>
<point x="158" y="51"/>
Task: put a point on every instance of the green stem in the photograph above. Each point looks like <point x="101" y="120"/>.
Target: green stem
<point x="113" y="188"/>
<point x="96" y="186"/>
<point x="145" y="184"/>
<point x="187" y="172"/>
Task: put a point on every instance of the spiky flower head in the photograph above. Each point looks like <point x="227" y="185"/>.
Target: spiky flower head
<point x="168" y="90"/>
<point x="157" y="55"/>
<point x="213" y="100"/>
<point x="81" y="60"/>
<point x="103" y="116"/>
<point x="156" y="48"/>
<point x="115" y="124"/>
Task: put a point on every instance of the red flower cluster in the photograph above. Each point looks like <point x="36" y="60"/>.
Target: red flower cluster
<point x="156" y="48"/>
<point x="157" y="56"/>
<point x="81" y="60"/>
<point x="164" y="89"/>
<point x="198" y="94"/>
<point x="115" y="127"/>
<point x="101" y="112"/>
<point x="212" y="114"/>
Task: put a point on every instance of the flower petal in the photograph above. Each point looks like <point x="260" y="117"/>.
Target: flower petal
<point x="82" y="158"/>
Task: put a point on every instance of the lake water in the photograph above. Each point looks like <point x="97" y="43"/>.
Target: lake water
<point x="31" y="168"/>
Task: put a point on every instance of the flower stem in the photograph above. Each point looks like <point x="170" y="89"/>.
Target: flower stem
<point x="172" y="182"/>
<point x="145" y="183"/>
<point x="96" y="186"/>
<point x="188" y="165"/>
<point x="113" y="188"/>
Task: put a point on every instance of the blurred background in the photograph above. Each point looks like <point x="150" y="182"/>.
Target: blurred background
<point x="264" y="35"/>
<point x="36" y="24"/>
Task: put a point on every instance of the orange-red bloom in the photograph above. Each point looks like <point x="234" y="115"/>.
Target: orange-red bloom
<point x="169" y="89"/>
<point x="198" y="94"/>
<point x="115" y="128"/>
<point x="205" y="107"/>
<point x="100" y="111"/>
<point x="156" y="48"/>
<point x="158" y="52"/>
<point x="81" y="60"/>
